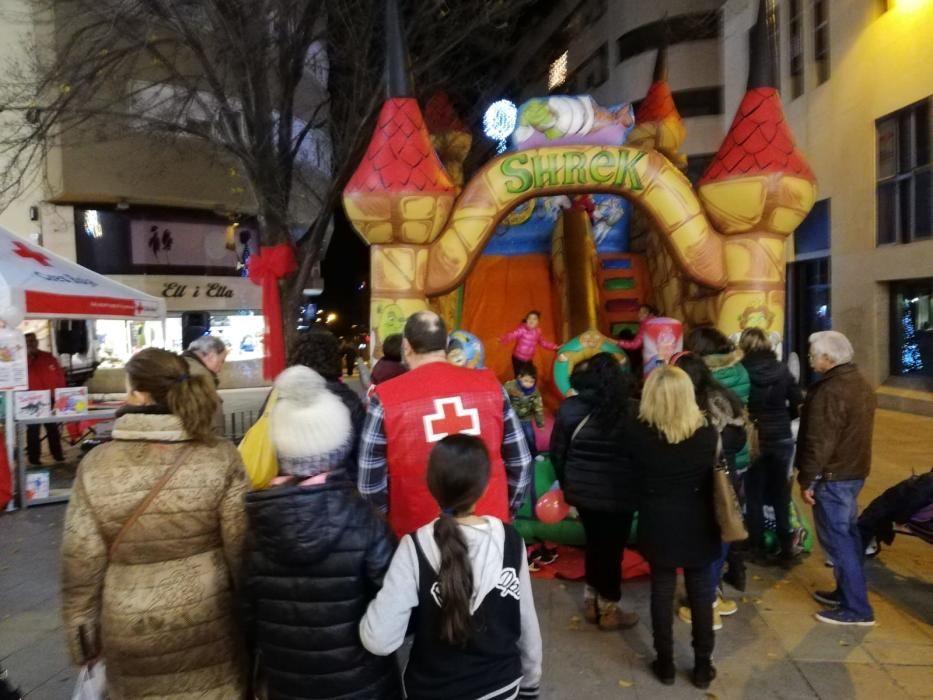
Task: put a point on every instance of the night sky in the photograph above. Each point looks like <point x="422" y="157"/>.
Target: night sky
<point x="345" y="268"/>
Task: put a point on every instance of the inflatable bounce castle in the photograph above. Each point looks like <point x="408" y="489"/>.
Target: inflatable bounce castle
<point x="546" y="225"/>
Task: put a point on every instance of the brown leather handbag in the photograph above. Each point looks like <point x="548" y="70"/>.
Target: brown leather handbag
<point x="725" y="502"/>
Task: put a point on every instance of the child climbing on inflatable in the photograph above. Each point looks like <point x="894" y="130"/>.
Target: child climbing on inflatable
<point x="527" y="402"/>
<point x="464" y="581"/>
<point x="528" y="336"/>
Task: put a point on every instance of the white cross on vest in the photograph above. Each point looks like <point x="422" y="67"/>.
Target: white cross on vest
<point x="450" y="418"/>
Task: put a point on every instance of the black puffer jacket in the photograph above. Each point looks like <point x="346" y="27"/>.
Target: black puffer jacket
<point x="774" y="398"/>
<point x="357" y="410"/>
<point x="316" y="557"/>
<point x="594" y="469"/>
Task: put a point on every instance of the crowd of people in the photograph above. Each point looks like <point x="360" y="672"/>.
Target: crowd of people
<point x="390" y="515"/>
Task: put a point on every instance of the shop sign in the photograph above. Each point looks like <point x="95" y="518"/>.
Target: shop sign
<point x="193" y="293"/>
<point x="211" y="290"/>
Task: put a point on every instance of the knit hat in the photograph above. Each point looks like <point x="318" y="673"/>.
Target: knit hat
<point x="309" y="426"/>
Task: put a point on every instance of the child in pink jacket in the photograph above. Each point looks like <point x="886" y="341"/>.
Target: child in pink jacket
<point x="529" y="337"/>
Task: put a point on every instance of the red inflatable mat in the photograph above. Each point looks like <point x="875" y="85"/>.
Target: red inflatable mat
<point x="570" y="564"/>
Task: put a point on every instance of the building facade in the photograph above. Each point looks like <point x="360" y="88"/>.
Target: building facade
<point x="858" y="93"/>
<point x="171" y="216"/>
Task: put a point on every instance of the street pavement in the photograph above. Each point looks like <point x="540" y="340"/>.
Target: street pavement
<point x="771" y="648"/>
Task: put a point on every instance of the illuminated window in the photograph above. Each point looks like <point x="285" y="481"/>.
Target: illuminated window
<point x="821" y="40"/>
<point x="905" y="175"/>
<point x="557" y="75"/>
<point x="912" y="328"/>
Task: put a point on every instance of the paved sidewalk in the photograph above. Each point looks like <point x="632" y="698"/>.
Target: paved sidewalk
<point x="772" y="648"/>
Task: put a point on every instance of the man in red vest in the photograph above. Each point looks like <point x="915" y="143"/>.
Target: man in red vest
<point x="44" y="373"/>
<point x="410" y="413"/>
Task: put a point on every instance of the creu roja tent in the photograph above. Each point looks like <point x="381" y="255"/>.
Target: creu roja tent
<point x="41" y="284"/>
<point x="36" y="283"/>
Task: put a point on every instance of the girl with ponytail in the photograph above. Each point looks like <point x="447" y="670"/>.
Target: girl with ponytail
<point x="461" y="583"/>
<point x="153" y="542"/>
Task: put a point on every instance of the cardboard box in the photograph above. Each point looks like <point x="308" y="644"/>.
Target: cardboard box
<point x="71" y="401"/>
<point x="33" y="404"/>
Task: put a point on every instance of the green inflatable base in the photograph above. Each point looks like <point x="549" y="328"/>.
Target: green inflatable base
<point x="569" y="531"/>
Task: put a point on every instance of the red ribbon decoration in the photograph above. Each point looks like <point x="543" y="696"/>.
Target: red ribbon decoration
<point x="266" y="267"/>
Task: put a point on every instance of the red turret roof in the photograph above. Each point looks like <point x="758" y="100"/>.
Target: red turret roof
<point x="658" y="104"/>
<point x="400" y="157"/>
<point x="440" y="115"/>
<point x="758" y="142"/>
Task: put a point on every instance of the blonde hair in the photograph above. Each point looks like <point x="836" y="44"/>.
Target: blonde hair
<point x="668" y="403"/>
<point x="754" y="340"/>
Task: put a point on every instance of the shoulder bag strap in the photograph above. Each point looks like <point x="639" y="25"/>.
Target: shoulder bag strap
<point x="579" y="427"/>
<point x="147" y="501"/>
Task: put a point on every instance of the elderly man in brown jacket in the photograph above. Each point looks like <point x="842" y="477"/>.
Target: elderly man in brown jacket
<point x="833" y="461"/>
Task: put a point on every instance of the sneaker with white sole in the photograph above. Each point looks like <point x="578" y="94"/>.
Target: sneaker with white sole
<point x="685" y="614"/>
<point x="844" y="617"/>
<point x="725" y="606"/>
<point x="830" y="598"/>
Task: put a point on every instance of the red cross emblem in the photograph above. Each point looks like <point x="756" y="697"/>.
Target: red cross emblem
<point x="450" y="418"/>
<point x="24" y="251"/>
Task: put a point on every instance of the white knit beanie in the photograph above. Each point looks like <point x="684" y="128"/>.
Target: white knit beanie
<point x="309" y="426"/>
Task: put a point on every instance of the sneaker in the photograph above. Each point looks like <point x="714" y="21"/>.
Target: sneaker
<point x="831" y="598"/>
<point x="664" y="670"/>
<point x="612" y="617"/>
<point x="725" y="606"/>
<point x="548" y="555"/>
<point x="872" y="548"/>
<point x="844" y="617"/>
<point x="703" y="674"/>
<point x="685" y="614"/>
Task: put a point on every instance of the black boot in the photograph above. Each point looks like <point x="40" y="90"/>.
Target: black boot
<point x="703" y="673"/>
<point x="663" y="668"/>
<point x="735" y="575"/>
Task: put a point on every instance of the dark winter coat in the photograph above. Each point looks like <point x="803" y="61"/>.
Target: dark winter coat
<point x="386" y="369"/>
<point x="774" y="398"/>
<point x="316" y="556"/>
<point x="676" y="523"/>
<point x="594" y="469"/>
<point x="836" y="425"/>
<point x="357" y="410"/>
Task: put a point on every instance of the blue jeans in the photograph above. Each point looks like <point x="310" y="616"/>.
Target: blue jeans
<point x="835" y="516"/>
<point x="529" y="431"/>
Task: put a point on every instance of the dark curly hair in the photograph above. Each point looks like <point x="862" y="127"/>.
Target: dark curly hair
<point x="603" y="385"/>
<point x="318" y="349"/>
<point x="708" y="341"/>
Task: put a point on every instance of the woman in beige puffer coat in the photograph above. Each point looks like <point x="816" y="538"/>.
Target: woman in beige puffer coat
<point x="159" y="606"/>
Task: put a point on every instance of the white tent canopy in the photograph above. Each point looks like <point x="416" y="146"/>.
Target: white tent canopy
<point x="41" y="284"/>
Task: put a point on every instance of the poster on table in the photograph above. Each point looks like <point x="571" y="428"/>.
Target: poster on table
<point x="33" y="404"/>
<point x="71" y="401"/>
<point x="14" y="372"/>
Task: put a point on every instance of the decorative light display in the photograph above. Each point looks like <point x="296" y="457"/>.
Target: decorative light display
<point x="92" y="225"/>
<point x="499" y="122"/>
<point x="557" y="73"/>
<point x="911" y="361"/>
